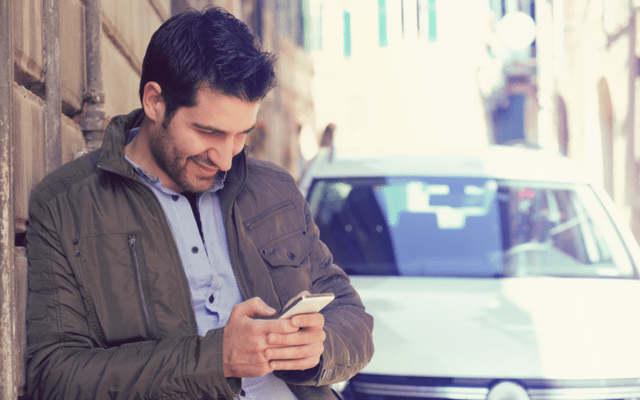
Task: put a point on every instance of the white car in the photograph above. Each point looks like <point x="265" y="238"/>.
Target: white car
<point x="500" y="275"/>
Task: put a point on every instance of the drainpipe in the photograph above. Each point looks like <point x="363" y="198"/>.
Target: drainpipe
<point x="8" y="350"/>
<point x="92" y="119"/>
<point x="632" y="152"/>
<point x="547" y="136"/>
<point x="53" y="101"/>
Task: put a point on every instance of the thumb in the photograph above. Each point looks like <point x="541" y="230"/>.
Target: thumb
<point x="256" y="307"/>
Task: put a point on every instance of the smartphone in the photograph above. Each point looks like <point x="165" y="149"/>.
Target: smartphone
<point x="304" y="303"/>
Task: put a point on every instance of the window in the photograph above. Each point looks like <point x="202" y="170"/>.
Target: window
<point x="466" y="227"/>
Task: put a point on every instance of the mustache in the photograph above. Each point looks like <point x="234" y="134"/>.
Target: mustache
<point x="202" y="159"/>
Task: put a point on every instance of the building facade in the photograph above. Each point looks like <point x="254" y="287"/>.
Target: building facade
<point x="573" y="89"/>
<point x="399" y="74"/>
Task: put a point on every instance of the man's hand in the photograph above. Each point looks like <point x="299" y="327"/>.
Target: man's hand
<point x="254" y="347"/>
<point x="299" y="350"/>
<point x="245" y="338"/>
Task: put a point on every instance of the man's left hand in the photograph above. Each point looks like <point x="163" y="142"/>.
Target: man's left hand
<point x="300" y="350"/>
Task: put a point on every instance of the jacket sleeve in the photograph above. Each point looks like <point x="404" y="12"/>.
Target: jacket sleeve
<point x="65" y="359"/>
<point x="349" y="344"/>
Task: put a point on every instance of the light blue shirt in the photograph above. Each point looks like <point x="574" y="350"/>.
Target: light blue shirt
<point x="214" y="290"/>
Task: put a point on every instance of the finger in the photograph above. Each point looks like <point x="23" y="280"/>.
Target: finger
<point x="278" y="326"/>
<point x="254" y="307"/>
<point x="252" y="350"/>
<point x="308" y="320"/>
<point x="294" y="365"/>
<point x="294" y="352"/>
<point x="307" y="336"/>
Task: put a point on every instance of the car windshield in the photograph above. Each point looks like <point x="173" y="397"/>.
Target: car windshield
<point x="467" y="227"/>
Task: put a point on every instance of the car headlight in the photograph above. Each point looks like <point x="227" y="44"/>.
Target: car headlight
<point x="507" y="391"/>
<point x="339" y="386"/>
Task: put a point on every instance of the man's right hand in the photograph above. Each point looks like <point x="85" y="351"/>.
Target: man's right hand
<point x="245" y="338"/>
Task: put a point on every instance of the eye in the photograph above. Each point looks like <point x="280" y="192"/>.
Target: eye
<point x="210" y="133"/>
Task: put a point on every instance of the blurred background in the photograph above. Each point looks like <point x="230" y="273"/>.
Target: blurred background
<point x="373" y="74"/>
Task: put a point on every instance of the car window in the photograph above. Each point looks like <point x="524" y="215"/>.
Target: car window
<point x="468" y="227"/>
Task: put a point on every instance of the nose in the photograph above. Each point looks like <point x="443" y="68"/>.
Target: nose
<point x="222" y="155"/>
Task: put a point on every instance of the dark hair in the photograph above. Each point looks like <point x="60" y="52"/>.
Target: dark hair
<point x="209" y="48"/>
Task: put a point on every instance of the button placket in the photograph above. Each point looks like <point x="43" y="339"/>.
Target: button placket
<point x="211" y="301"/>
<point x="76" y="247"/>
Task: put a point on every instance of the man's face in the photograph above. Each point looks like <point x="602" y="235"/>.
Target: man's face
<point x="202" y="140"/>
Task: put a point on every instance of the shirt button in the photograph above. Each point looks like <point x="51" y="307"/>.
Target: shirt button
<point x="175" y="197"/>
<point x="194" y="249"/>
<point x="242" y="393"/>
<point x="211" y="299"/>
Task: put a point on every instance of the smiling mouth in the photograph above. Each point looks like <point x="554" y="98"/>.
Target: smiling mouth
<point x="206" y="166"/>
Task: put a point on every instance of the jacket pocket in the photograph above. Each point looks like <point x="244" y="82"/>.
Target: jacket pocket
<point x="137" y="259"/>
<point x="291" y="250"/>
<point x="114" y="276"/>
<point x="255" y="221"/>
<point x="288" y="263"/>
<point x="274" y="222"/>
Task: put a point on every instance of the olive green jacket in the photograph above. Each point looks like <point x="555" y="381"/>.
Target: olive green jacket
<point x="109" y="312"/>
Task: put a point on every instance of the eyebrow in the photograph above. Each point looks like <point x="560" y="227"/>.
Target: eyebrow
<point x="216" y="130"/>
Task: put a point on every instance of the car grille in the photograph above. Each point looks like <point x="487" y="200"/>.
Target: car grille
<point x="380" y="387"/>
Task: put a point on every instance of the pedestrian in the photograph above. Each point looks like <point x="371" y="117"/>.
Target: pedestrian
<point x="156" y="261"/>
<point x="328" y="135"/>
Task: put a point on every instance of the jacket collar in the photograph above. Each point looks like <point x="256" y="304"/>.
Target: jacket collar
<point x="112" y="159"/>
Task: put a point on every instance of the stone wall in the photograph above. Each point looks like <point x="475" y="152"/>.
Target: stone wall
<point x="126" y="28"/>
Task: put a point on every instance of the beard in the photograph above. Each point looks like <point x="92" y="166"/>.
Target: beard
<point x="174" y="163"/>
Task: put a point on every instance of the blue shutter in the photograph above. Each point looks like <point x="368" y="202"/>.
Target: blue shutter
<point x="433" y="27"/>
<point x="383" y="39"/>
<point x="346" y="17"/>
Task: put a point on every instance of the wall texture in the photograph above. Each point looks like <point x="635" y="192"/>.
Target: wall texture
<point x="595" y="62"/>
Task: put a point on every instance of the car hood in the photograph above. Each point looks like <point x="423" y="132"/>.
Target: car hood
<point x="560" y="328"/>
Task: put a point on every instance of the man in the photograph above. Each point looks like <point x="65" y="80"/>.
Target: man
<point x="156" y="261"/>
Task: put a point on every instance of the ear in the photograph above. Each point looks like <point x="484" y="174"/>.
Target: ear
<point x="152" y="102"/>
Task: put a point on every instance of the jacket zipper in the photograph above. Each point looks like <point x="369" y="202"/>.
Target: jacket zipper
<point x="153" y="201"/>
<point x="132" y="239"/>
<point x="234" y="256"/>
<point x="182" y="276"/>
